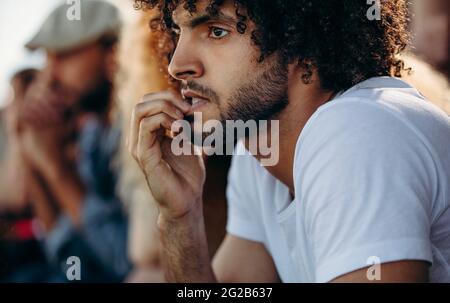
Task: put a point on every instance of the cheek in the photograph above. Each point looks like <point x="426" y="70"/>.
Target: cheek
<point x="227" y="69"/>
<point x="81" y="75"/>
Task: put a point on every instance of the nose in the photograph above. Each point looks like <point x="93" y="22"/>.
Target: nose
<point x="185" y="63"/>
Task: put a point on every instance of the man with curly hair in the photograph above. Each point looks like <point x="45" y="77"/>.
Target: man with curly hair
<point x="361" y="189"/>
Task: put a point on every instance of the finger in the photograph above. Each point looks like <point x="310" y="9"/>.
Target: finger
<point x="149" y="108"/>
<point x="148" y="150"/>
<point x="171" y="96"/>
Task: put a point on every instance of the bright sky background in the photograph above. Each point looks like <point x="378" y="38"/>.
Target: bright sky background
<point x="19" y="20"/>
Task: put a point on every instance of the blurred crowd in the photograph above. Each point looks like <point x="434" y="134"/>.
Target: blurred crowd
<point x="68" y="187"/>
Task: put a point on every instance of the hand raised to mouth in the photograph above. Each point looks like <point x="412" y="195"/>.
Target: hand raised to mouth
<point x="175" y="181"/>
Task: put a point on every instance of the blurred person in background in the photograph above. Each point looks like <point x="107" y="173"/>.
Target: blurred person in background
<point x="69" y="142"/>
<point x="12" y="187"/>
<point x="21" y="255"/>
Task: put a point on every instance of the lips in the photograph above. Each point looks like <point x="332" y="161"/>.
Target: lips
<point x="192" y="96"/>
<point x="197" y="101"/>
<point x="198" y="104"/>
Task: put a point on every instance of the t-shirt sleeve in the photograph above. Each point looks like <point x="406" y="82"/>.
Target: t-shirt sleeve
<point x="243" y="220"/>
<point x="368" y="186"/>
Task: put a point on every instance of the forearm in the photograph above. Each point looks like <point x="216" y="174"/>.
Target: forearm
<point x="12" y="185"/>
<point x="41" y="200"/>
<point x="185" y="249"/>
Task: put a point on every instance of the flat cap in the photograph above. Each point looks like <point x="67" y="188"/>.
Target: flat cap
<point x="76" y="23"/>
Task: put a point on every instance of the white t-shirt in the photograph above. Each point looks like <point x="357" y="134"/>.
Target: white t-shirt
<point x="372" y="180"/>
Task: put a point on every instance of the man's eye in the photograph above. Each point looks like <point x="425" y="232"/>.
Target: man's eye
<point x="218" y="33"/>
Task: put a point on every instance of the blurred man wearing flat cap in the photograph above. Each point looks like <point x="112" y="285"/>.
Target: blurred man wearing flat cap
<point x="68" y="142"/>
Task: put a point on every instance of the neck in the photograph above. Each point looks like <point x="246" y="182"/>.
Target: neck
<point x="304" y="100"/>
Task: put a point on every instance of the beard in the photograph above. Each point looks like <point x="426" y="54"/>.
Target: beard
<point x="262" y="98"/>
<point x="97" y="100"/>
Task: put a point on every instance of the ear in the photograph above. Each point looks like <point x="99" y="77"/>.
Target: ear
<point x="306" y="70"/>
<point x="303" y="69"/>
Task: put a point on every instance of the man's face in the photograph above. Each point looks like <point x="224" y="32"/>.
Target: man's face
<point x="219" y="69"/>
<point x="79" y="72"/>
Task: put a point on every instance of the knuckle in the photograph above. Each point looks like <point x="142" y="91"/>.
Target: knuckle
<point x="139" y="108"/>
<point x="148" y="97"/>
<point x="144" y="124"/>
<point x="167" y="106"/>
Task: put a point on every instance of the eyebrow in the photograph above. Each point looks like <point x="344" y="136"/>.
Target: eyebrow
<point x="203" y="18"/>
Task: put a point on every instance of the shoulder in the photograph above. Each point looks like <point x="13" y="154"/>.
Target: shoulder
<point x="356" y="125"/>
<point x="360" y="142"/>
<point x="383" y="120"/>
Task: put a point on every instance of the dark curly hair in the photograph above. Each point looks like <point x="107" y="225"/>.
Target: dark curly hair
<point x="334" y="36"/>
